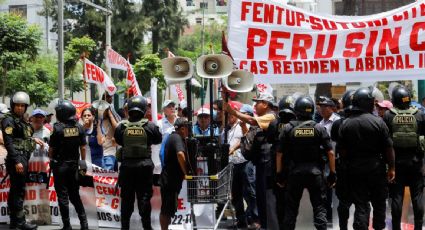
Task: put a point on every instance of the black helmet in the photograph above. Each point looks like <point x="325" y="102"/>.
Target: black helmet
<point x="19" y="98"/>
<point x="137" y="103"/>
<point x="286" y="108"/>
<point x="363" y="100"/>
<point x="304" y="107"/>
<point x="65" y="111"/>
<point x="401" y="98"/>
<point x="347" y="99"/>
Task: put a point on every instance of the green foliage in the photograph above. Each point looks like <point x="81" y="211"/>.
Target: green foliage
<point x="18" y="42"/>
<point x="146" y="68"/>
<point x="74" y="50"/>
<point x="38" y="78"/>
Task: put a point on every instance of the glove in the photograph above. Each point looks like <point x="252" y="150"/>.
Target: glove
<point x="331" y="179"/>
<point x="83" y="167"/>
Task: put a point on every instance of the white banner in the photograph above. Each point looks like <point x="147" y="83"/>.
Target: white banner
<point x="132" y="82"/>
<point x="280" y="43"/>
<point x="95" y="74"/>
<point x="116" y="61"/>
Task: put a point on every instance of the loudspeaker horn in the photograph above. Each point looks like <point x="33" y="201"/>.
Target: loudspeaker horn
<point x="214" y="66"/>
<point x="177" y="69"/>
<point x="101" y="107"/>
<point x="239" y="81"/>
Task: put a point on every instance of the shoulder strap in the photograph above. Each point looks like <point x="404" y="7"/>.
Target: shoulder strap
<point x="310" y="122"/>
<point x="411" y="111"/>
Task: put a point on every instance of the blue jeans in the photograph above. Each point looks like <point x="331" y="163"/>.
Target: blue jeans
<point x="109" y="162"/>
<point x="97" y="160"/>
<point x="249" y="194"/>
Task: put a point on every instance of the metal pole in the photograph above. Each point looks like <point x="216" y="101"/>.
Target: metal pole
<point x="61" y="85"/>
<point x="203" y="26"/>
<point x="108" y="41"/>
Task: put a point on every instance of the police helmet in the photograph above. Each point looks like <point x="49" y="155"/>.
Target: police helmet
<point x="401" y="97"/>
<point x="347" y="99"/>
<point x="137" y="103"/>
<point x="286" y="106"/>
<point x="19" y="98"/>
<point x="304" y="107"/>
<point x="65" y="110"/>
<point x="363" y="100"/>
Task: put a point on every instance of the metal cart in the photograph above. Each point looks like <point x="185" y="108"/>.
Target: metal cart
<point x="214" y="189"/>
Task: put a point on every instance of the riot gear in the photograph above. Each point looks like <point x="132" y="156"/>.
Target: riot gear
<point x="304" y="107"/>
<point x="286" y="109"/>
<point x="135" y="141"/>
<point x="401" y="98"/>
<point x="65" y="111"/>
<point x="347" y="99"/>
<point x="137" y="103"/>
<point x="363" y="100"/>
<point x="19" y="98"/>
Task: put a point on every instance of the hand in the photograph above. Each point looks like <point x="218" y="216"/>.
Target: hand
<point x="391" y="175"/>
<point x="281" y="179"/>
<point x="331" y="179"/>
<point x="19" y="168"/>
<point x="39" y="142"/>
<point x="226" y="107"/>
<point x="231" y="151"/>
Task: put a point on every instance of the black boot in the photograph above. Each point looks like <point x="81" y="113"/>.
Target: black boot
<point x="147" y="224"/>
<point x="66" y="225"/>
<point x="83" y="222"/>
<point x="23" y="225"/>
<point x="13" y="223"/>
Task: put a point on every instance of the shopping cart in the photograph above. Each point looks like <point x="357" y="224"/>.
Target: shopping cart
<point x="213" y="189"/>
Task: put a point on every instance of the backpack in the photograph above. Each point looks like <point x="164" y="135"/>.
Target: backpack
<point x="251" y="141"/>
<point x="404" y="128"/>
<point x="162" y="151"/>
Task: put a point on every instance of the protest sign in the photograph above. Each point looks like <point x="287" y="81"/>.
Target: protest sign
<point x="95" y="74"/>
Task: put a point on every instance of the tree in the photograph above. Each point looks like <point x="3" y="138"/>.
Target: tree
<point x="36" y="77"/>
<point x="146" y="68"/>
<point x="167" y="23"/>
<point x="18" y="42"/>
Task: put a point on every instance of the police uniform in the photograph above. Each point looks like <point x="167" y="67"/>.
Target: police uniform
<point x="364" y="139"/>
<point x="136" y="170"/>
<point x="66" y="139"/>
<point x="19" y="145"/>
<point x="407" y="128"/>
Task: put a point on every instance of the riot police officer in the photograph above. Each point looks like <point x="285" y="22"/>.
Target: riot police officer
<point x="342" y="190"/>
<point x="17" y="135"/>
<point x="67" y="143"/>
<point x="285" y="115"/>
<point x="302" y="143"/>
<point x="406" y="125"/>
<point x="136" y="171"/>
<point x="366" y="147"/>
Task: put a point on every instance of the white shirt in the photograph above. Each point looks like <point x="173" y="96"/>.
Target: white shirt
<point x="42" y="134"/>
<point x="233" y="138"/>
<point x="165" y="127"/>
<point x="328" y="123"/>
<point x="109" y="146"/>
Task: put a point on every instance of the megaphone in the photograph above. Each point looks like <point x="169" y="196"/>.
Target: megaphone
<point x="177" y="69"/>
<point x="214" y="66"/>
<point x="101" y="106"/>
<point x="239" y="81"/>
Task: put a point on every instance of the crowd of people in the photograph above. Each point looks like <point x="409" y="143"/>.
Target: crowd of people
<point x="361" y="147"/>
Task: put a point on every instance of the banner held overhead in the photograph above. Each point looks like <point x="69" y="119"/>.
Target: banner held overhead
<point x="280" y="43"/>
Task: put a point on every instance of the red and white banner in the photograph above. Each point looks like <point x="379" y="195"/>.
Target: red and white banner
<point x="80" y="106"/>
<point x="134" y="88"/>
<point x="280" y="43"/>
<point x="116" y="61"/>
<point x="95" y="74"/>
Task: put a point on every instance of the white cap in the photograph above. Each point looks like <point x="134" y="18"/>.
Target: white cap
<point x="183" y="104"/>
<point x="202" y="111"/>
<point x="167" y="103"/>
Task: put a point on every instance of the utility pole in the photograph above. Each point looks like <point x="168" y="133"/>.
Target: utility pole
<point x="61" y="85"/>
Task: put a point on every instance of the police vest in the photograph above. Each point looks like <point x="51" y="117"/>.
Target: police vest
<point x="25" y="144"/>
<point x="70" y="142"/>
<point x="305" y="142"/>
<point x="135" y="141"/>
<point x="404" y="128"/>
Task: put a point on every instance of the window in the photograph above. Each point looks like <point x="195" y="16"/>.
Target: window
<point x="190" y="3"/>
<point x="199" y="21"/>
<point x="20" y="10"/>
<point x="203" y="5"/>
<point x="211" y="19"/>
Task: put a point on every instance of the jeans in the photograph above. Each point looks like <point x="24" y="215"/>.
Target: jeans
<point x="249" y="194"/>
<point x="109" y="162"/>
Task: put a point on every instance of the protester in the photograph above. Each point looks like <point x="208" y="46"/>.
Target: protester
<point x="37" y="123"/>
<point x="203" y="123"/>
<point x="166" y="124"/>
<point x="182" y="110"/>
<point x="108" y="124"/>
<point x="3" y="151"/>
<point x="94" y="135"/>
<point x="48" y="121"/>
<point x="261" y="152"/>
<point x="383" y="106"/>
<point x="173" y="171"/>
